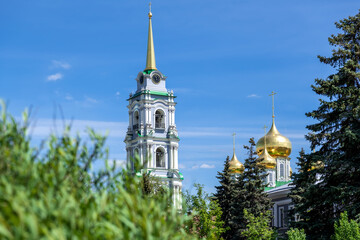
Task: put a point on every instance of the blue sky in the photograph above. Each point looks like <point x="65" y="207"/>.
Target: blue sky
<point x="222" y="59"/>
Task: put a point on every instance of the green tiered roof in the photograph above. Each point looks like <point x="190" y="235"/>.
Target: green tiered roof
<point x="277" y="184"/>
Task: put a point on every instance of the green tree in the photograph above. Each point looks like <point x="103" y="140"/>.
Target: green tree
<point x="336" y="135"/>
<point x="257" y="228"/>
<point x="205" y="213"/>
<point x="51" y="193"/>
<point x="225" y="195"/>
<point x="296" y="234"/>
<point x="345" y="229"/>
<point x="304" y="189"/>
<point x="250" y="195"/>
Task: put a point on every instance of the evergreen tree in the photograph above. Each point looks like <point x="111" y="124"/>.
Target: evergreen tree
<point x="249" y="190"/>
<point x="225" y="196"/>
<point x="303" y="190"/>
<point x="335" y="136"/>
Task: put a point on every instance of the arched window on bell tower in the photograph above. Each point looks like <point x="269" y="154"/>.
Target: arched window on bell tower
<point x="159" y="119"/>
<point x="136" y="120"/>
<point x="160" y="158"/>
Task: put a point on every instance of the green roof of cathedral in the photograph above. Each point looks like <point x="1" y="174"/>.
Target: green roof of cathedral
<point x="277" y="184"/>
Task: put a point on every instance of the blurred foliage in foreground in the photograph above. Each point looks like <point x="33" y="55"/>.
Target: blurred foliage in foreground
<point x="50" y="192"/>
<point x="206" y="213"/>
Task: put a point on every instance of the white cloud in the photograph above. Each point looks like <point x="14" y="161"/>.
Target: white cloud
<point x="60" y="64"/>
<point x="218" y="132"/>
<point x="44" y="126"/>
<point x="204" y="165"/>
<point x="54" y="77"/>
<point x="69" y="97"/>
<point x="90" y="100"/>
<point x="241" y="132"/>
<point x="253" y="96"/>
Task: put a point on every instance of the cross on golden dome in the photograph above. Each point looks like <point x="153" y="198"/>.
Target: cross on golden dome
<point x="235" y="166"/>
<point x="273" y="103"/>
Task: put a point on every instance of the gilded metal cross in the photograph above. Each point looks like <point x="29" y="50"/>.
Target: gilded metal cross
<point x="234" y="141"/>
<point x="273" y="103"/>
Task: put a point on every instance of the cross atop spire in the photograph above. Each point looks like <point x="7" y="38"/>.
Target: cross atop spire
<point x="273" y="103"/>
<point x="150" y="57"/>
<point x="234" y="141"/>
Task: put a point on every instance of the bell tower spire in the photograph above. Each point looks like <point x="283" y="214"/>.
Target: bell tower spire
<point x="150" y="57"/>
<point x="152" y="135"/>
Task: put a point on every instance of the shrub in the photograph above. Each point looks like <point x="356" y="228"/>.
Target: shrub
<point x="345" y="229"/>
<point x="205" y="214"/>
<point x="296" y="234"/>
<point x="50" y="193"/>
<point x="258" y="227"/>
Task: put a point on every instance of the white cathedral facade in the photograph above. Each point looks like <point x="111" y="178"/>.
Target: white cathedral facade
<point x="152" y="135"/>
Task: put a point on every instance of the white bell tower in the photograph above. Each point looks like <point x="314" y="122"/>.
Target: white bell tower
<point x="152" y="133"/>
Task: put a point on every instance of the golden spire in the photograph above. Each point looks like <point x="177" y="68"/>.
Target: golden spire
<point x="150" y="57"/>
<point x="235" y="165"/>
<point x="265" y="159"/>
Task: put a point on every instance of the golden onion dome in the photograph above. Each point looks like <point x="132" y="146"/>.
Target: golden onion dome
<point x="267" y="160"/>
<point x="235" y="165"/>
<point x="277" y="145"/>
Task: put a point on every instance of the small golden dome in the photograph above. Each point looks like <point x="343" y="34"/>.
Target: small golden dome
<point x="290" y="171"/>
<point x="235" y="165"/>
<point x="150" y="14"/>
<point x="277" y="145"/>
<point x="266" y="160"/>
<point x="318" y="165"/>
